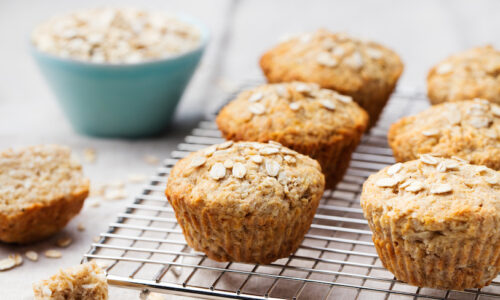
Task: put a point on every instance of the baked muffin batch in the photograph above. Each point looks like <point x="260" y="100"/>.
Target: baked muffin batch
<point x="252" y="199"/>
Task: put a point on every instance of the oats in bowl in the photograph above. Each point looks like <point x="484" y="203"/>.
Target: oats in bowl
<point x="115" y="35"/>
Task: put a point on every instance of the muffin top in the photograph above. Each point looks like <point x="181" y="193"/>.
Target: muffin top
<point x="333" y="60"/>
<point x="38" y="174"/>
<point x="432" y="191"/>
<point x="115" y="35"/>
<point x="467" y="129"/>
<point x="466" y="75"/>
<point x="291" y="113"/>
<point x="245" y="178"/>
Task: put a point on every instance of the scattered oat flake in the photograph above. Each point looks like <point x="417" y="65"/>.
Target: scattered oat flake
<point x="282" y="91"/>
<point x="228" y="164"/>
<point x="302" y="87"/>
<point x="89" y="154"/>
<point x="268" y="150"/>
<point x="355" y="60"/>
<point x="225" y="145"/>
<point x="217" y="171"/>
<point x="209" y="151"/>
<point x="271" y="142"/>
<point x="491" y="180"/>
<point x="460" y="159"/>
<point x="441" y="167"/>
<point x="454" y="117"/>
<point x="290" y="159"/>
<point x="31" y="255"/>
<point x="239" y="170"/>
<point x="479" y="122"/>
<point x="294" y="106"/>
<point x="17" y="258"/>
<point x="95" y="204"/>
<point x="257" y="109"/>
<point x="327" y="104"/>
<point x="115" y="194"/>
<point x="495" y="109"/>
<point x="414" y="186"/>
<point x="326" y="59"/>
<point x="53" y="254"/>
<point x="441" y="189"/>
<point x="394" y="168"/>
<point x="256" y="159"/>
<point x="96" y="239"/>
<point x="343" y="98"/>
<point x="431" y="132"/>
<point x="444" y="69"/>
<point x="7" y="264"/>
<point x="428" y="159"/>
<point x="80" y="227"/>
<point x="151" y="159"/>
<point x="387" y="182"/>
<point x="255" y="97"/>
<point x="272" y="168"/>
<point x="64" y="242"/>
<point x="197" y="161"/>
<point x="136" y="178"/>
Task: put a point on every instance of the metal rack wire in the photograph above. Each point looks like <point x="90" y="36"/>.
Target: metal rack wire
<point x="145" y="248"/>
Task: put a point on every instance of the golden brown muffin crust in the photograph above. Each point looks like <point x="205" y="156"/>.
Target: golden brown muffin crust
<point x="435" y="221"/>
<point x="317" y="122"/>
<point x="246" y="201"/>
<point x="365" y="70"/>
<point x="291" y="112"/>
<point x="467" y="129"/>
<point x="470" y="74"/>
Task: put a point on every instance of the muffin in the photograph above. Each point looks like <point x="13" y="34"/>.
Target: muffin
<point x="83" y="282"/>
<point x="466" y="75"/>
<point x="435" y="222"/>
<point x="41" y="189"/>
<point x="317" y="122"/>
<point x="466" y="129"/>
<point x="364" y="70"/>
<point x="245" y="202"/>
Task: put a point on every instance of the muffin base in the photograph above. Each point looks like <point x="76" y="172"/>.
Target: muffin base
<point x="464" y="263"/>
<point x="248" y="239"/>
<point x="40" y="220"/>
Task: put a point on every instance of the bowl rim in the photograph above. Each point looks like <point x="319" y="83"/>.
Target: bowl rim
<point x="204" y="39"/>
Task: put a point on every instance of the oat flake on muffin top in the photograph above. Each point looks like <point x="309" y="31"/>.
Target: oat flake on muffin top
<point x="467" y="129"/>
<point x="291" y="113"/>
<point x="466" y="75"/>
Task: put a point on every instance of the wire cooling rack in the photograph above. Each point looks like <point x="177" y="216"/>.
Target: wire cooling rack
<point x="145" y="248"/>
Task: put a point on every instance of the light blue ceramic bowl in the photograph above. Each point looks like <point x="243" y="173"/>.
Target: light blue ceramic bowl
<point x="128" y="100"/>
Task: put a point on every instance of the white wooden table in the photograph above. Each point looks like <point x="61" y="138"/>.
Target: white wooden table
<point x="422" y="32"/>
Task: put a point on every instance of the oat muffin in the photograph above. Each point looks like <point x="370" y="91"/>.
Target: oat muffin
<point x="41" y="189"/>
<point x="364" y="70"/>
<point x="83" y="282"/>
<point x="467" y="75"/>
<point x="467" y="129"/>
<point x="245" y="202"/>
<point x="317" y="122"/>
<point x="435" y="222"/>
